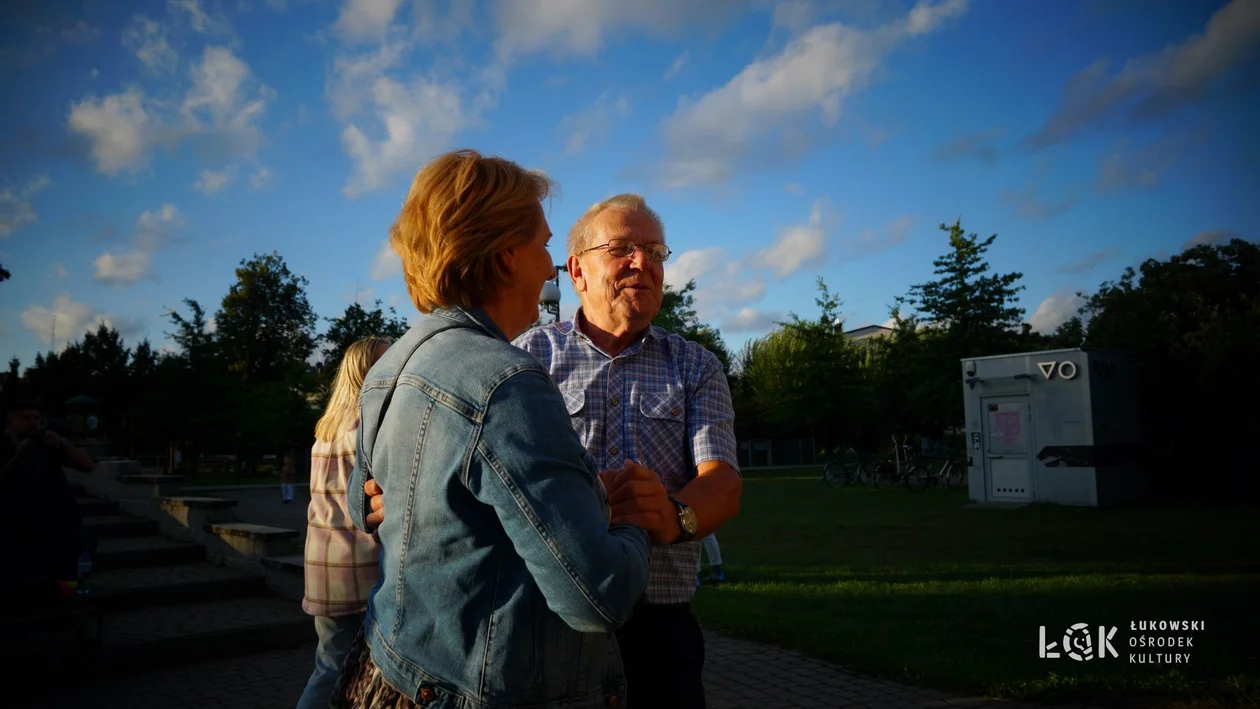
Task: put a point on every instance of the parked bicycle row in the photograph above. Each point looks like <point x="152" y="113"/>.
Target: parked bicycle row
<point x="907" y="467"/>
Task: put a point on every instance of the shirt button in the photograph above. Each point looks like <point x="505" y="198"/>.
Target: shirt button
<point x="614" y="401"/>
<point x="613" y="450"/>
<point x="674" y="411"/>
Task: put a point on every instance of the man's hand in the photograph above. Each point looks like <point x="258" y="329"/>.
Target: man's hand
<point x="376" y="501"/>
<point x="638" y="497"/>
<point x="52" y="439"/>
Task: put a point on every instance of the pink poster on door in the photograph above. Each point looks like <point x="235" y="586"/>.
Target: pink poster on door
<point x="1007" y="425"/>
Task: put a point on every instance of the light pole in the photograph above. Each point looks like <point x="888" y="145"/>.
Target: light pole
<point x="549" y="298"/>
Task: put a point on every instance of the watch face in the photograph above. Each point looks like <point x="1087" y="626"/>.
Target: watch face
<point x="689" y="520"/>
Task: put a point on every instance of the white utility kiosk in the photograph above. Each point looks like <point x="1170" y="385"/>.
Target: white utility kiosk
<point x="1055" y="426"/>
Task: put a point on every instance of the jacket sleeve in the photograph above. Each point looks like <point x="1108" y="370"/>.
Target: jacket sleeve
<point x="356" y="499"/>
<point x="530" y="466"/>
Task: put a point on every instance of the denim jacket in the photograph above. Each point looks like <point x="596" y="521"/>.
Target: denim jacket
<point x="501" y="581"/>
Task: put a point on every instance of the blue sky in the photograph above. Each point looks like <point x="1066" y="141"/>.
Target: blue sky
<point x="149" y="146"/>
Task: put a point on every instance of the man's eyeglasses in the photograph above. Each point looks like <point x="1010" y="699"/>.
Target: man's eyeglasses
<point x="621" y="248"/>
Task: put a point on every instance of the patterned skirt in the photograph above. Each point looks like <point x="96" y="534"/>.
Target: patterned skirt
<point x="361" y="684"/>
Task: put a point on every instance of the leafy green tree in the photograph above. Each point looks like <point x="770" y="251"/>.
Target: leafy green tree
<point x="966" y="312"/>
<point x="806" y="379"/>
<point x="1192" y="325"/>
<point x="357" y="323"/>
<point x="678" y="315"/>
<point x="265" y="326"/>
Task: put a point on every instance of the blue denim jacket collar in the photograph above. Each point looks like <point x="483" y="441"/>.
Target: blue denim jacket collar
<point x="474" y="316"/>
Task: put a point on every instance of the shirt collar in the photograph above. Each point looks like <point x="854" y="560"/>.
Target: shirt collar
<point x="575" y="327"/>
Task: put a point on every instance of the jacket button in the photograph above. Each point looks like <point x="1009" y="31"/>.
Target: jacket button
<point x="426" y="694"/>
<point x="612" y="702"/>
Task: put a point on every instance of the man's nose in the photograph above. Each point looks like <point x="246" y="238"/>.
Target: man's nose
<point x="639" y="257"/>
<point x="554" y="273"/>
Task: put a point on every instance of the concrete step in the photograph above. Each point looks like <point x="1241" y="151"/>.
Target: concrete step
<point x="91" y="506"/>
<point x="148" y="639"/>
<point x="156" y="586"/>
<point x="286" y="575"/>
<point x="135" y="552"/>
<point x="109" y="526"/>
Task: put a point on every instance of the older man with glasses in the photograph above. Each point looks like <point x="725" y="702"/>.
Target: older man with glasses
<point x="655" y="412"/>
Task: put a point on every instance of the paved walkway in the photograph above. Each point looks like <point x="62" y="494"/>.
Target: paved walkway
<point x="738" y="674"/>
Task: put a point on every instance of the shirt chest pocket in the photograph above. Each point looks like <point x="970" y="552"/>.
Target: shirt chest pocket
<point x="662" y="432"/>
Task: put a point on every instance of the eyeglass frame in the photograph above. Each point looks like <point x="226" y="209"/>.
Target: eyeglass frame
<point x="633" y="246"/>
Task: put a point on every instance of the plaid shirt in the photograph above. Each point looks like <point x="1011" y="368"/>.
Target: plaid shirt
<point x="663" y="402"/>
<point x="342" y="563"/>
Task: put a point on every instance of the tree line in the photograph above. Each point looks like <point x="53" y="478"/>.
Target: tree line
<point x="255" y="382"/>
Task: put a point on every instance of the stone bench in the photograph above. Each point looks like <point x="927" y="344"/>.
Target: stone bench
<point x="286" y="575"/>
<point x="183" y="516"/>
<point x="141" y="486"/>
<point x="252" y="541"/>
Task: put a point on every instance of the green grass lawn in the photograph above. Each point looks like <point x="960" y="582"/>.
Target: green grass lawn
<point x="911" y="586"/>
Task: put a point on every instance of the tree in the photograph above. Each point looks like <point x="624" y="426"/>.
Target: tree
<point x="966" y="312"/>
<point x="357" y="323"/>
<point x="4" y="274"/>
<point x="266" y="326"/>
<point x="678" y="315"/>
<point x="975" y="307"/>
<point x="805" y="379"/>
<point x="1192" y="325"/>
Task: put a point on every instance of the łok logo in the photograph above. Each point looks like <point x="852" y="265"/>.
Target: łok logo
<point x="1078" y="643"/>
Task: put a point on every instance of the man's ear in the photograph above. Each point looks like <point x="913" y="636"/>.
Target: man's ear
<point x="575" y="273"/>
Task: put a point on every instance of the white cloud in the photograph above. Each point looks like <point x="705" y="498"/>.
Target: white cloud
<point x="211" y="181"/>
<point x="392" y="124"/>
<point x="153" y="230"/>
<point x="1208" y="238"/>
<point x="385" y="264"/>
<point x="219" y="113"/>
<point x="118" y="129"/>
<point x="766" y="112"/>
<point x="366" y="20"/>
<point x="677" y="66"/>
<point x="873" y="241"/>
<point x="580" y="26"/>
<point x="797" y="245"/>
<point x="57" y="270"/>
<point x="752" y="320"/>
<point x="15" y="204"/>
<point x="692" y="265"/>
<point x="147" y="39"/>
<point x="794" y="187"/>
<point x="68" y="319"/>
<point x="1055" y="310"/>
<point x="260" y="178"/>
<point x="593" y="123"/>
<point x="1157" y="83"/>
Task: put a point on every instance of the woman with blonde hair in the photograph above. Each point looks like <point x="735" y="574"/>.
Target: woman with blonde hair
<point x="502" y="582"/>
<point x="342" y="563"/>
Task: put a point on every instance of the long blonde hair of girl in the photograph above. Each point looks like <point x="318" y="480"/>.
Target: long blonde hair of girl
<point x="342" y="412"/>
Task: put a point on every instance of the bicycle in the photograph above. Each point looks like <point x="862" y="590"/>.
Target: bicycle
<point x="949" y="475"/>
<point x="839" y="472"/>
<point x="895" y="472"/>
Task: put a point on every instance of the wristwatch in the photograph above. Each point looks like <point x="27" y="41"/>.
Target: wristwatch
<point x="686" y="521"/>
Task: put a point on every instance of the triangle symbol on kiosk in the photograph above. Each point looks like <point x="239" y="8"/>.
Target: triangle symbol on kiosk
<point x="1047" y="368"/>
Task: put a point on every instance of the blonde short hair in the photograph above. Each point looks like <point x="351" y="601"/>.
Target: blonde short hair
<point x="462" y="210"/>
<point x="580" y="234"/>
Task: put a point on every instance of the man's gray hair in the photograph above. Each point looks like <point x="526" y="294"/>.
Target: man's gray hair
<point x="580" y="234"/>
